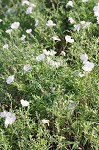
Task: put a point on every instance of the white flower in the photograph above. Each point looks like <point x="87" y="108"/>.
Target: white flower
<point x="1" y="20"/>
<point x="15" y="25"/>
<point x="8" y="31"/>
<point x="98" y="20"/>
<point x="96" y="10"/>
<point x="27" y="68"/>
<point x="52" y="62"/>
<point x="3" y="114"/>
<point x="71" y="20"/>
<point x="8" y="11"/>
<point x="25" y="2"/>
<point x="46" y="52"/>
<point x="84" y="57"/>
<point x="29" y="10"/>
<point x="88" y="66"/>
<point x="9" y="117"/>
<point x="5" y="46"/>
<point x="51" y="52"/>
<point x="36" y="22"/>
<point x="63" y="53"/>
<point x="52" y="88"/>
<point x="84" y="1"/>
<point x="44" y="121"/>
<point x="40" y="57"/>
<point x="80" y="74"/>
<point x="10" y="79"/>
<point x="56" y="38"/>
<point x="69" y="39"/>
<point x="77" y="27"/>
<point x="85" y="24"/>
<point x="23" y="37"/>
<point x="71" y="105"/>
<point x="28" y="31"/>
<point x="82" y="24"/>
<point x="50" y="23"/>
<point x="49" y="60"/>
<point x="70" y="3"/>
<point x="56" y="64"/>
<point x="24" y="103"/>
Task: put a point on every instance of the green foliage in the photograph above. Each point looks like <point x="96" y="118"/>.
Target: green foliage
<point x="60" y="95"/>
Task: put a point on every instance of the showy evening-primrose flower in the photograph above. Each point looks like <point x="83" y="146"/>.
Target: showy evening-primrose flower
<point x="69" y="39"/>
<point x="88" y="66"/>
<point x="71" y="105"/>
<point x="29" y="10"/>
<point x="28" y="31"/>
<point x="15" y="25"/>
<point x="56" y="38"/>
<point x="62" y="53"/>
<point x="70" y="3"/>
<point x="8" y="31"/>
<point x="9" y="117"/>
<point x="25" y="2"/>
<point x="27" y="68"/>
<point x="5" y="46"/>
<point x="77" y="27"/>
<point x="36" y="22"/>
<point x="50" y="23"/>
<point x="24" y="103"/>
<point x="10" y="79"/>
<point x="45" y="121"/>
<point x="96" y="10"/>
<point x="71" y="20"/>
<point x="51" y="52"/>
<point x="84" y="1"/>
<point x="8" y="11"/>
<point x="1" y="20"/>
<point x="3" y="114"/>
<point x="84" y="57"/>
<point x="23" y="37"/>
<point x="82" y="24"/>
<point x="53" y="63"/>
<point x="98" y="20"/>
<point x="40" y="57"/>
